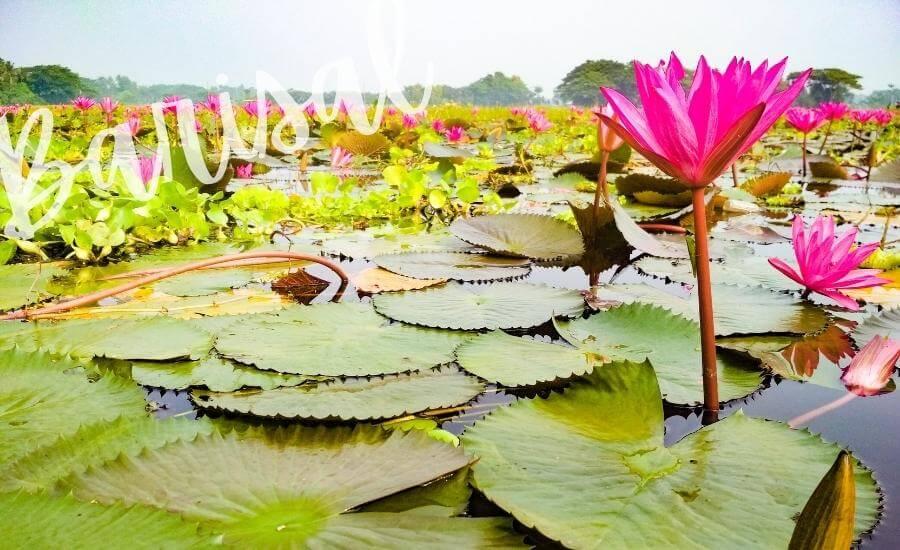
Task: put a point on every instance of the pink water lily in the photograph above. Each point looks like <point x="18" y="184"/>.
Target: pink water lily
<point x="145" y="168"/>
<point x="828" y="263"/>
<point x="409" y="121"/>
<point x="695" y="135"/>
<point x="134" y="124"/>
<point x="882" y="117"/>
<point x="803" y="119"/>
<point x="455" y="134"/>
<point x="438" y="126"/>
<point x="108" y="105"/>
<point x="833" y="110"/>
<point x="83" y="103"/>
<point x="538" y="122"/>
<point x="252" y="108"/>
<point x="862" y="116"/>
<point x="170" y="103"/>
<point x="871" y="368"/>
<point x="244" y="171"/>
<point x="607" y="139"/>
<point x="212" y="104"/>
<point x="340" y="158"/>
<point x="310" y="110"/>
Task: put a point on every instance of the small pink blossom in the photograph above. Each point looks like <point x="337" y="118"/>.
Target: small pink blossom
<point x="829" y="263"/>
<point x="310" y="110"/>
<point x="212" y="104"/>
<point x="455" y="134"/>
<point x="145" y="168"/>
<point x="170" y="104"/>
<point x="252" y="108"/>
<point x="390" y="111"/>
<point x="438" y="126"/>
<point x="244" y="171"/>
<point x="410" y="122"/>
<point x="537" y="121"/>
<point x="862" y="116"/>
<point x="871" y="368"/>
<point x="134" y="124"/>
<point x="340" y="158"/>
<point x="607" y="139"/>
<point x="83" y="103"/>
<point x="882" y="117"/>
<point x="833" y="110"/>
<point x="804" y="120"/>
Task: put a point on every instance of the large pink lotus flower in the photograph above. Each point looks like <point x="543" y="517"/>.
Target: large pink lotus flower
<point x="83" y="103"/>
<point x="862" y="116"/>
<point x="409" y="121"/>
<point x="833" y="110"/>
<point x="252" y="108"/>
<point x="340" y="158"/>
<point x="607" y="139"/>
<point x="244" y="170"/>
<point x="694" y="136"/>
<point x="829" y="263"/>
<point x="871" y="368"/>
<point x="145" y="168"/>
<point x="455" y="134"/>
<point x="170" y="104"/>
<point x="803" y="119"/>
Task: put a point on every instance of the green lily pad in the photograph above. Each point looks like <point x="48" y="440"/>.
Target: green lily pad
<point x="524" y="235"/>
<point x="23" y="284"/>
<point x="205" y="282"/>
<point x="737" y="309"/>
<point x="353" y="398"/>
<point x="438" y="151"/>
<point x="636" y="332"/>
<point x="364" y="246"/>
<point x="594" y="471"/>
<point x="43" y="398"/>
<point x="335" y="340"/>
<point x="885" y="323"/>
<point x="154" y="338"/>
<point x="473" y="307"/>
<point x="453" y="265"/>
<point x="514" y="361"/>
<point x="293" y="487"/>
<point x="214" y="373"/>
<point x="63" y="522"/>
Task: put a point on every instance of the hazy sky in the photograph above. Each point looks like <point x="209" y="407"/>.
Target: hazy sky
<point x="169" y="41"/>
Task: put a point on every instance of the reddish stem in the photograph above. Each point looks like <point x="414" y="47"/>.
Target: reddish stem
<point x="663" y="228"/>
<point x="734" y="176"/>
<point x="704" y="291"/>
<point x="100" y="295"/>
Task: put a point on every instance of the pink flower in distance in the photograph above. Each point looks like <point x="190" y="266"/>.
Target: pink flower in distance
<point x="145" y="168"/>
<point x="340" y="158"/>
<point x="170" y="103"/>
<point x="803" y="119"/>
<point x="134" y="124"/>
<point x="833" y="110"/>
<point x="607" y="139"/>
<point x="438" y="126"/>
<point x="882" y="117"/>
<point x="212" y="104"/>
<point x="871" y="368"/>
<point x="310" y="110"/>
<point x="695" y="135"/>
<point x="455" y="134"/>
<point x="252" y="108"/>
<point x="538" y="122"/>
<point x="108" y="105"/>
<point x="390" y="111"/>
<point x="862" y="116"/>
<point x="244" y="171"/>
<point x="83" y="103"/>
<point x="828" y="264"/>
<point x="410" y="122"/>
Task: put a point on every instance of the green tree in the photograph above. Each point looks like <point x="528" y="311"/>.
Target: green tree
<point x="582" y="85"/>
<point x="830" y="84"/>
<point x="55" y="83"/>
<point x="497" y="89"/>
<point x="12" y="88"/>
<point x="881" y="98"/>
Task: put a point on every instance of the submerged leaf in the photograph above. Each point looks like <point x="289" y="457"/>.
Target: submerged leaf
<point x="23" y="284"/>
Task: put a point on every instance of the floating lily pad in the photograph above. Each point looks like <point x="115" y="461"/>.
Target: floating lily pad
<point x="473" y="307"/>
<point x="438" y="151"/>
<point x="364" y="245"/>
<point x="375" y="280"/>
<point x="353" y="398"/>
<point x="152" y="338"/>
<point x="635" y="332"/>
<point x="740" y="267"/>
<point x="212" y="372"/>
<point x="205" y="282"/>
<point x="23" y="284"/>
<point x="335" y="340"/>
<point x="524" y="235"/>
<point x="226" y="482"/>
<point x="885" y="323"/>
<point x="453" y="265"/>
<point x="63" y="522"/>
<point x="514" y="361"/>
<point x="766" y="184"/>
<point x="737" y="309"/>
<point x="594" y="471"/>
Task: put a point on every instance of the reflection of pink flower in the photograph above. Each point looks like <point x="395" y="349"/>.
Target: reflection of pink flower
<point x="252" y="108"/>
<point x="145" y="168"/>
<point x="862" y="116"/>
<point x="871" y="368"/>
<point x="410" y="122"/>
<point x="694" y="135"/>
<point x="607" y="140"/>
<point x="83" y="103"/>
<point x="244" y="170"/>
<point x="438" y="126"/>
<point x="833" y="110"/>
<point x="827" y="264"/>
<point x="170" y="104"/>
<point x="803" y="119"/>
<point x="455" y="134"/>
<point x="340" y="158"/>
<point x="134" y="124"/>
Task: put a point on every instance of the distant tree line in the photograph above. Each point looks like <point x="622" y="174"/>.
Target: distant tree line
<point x="580" y="86"/>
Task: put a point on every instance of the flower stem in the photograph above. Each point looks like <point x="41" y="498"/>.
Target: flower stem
<point x="601" y="185"/>
<point x="825" y="139"/>
<point x="704" y="291"/>
<point x="734" y="177"/>
<point x="804" y="156"/>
